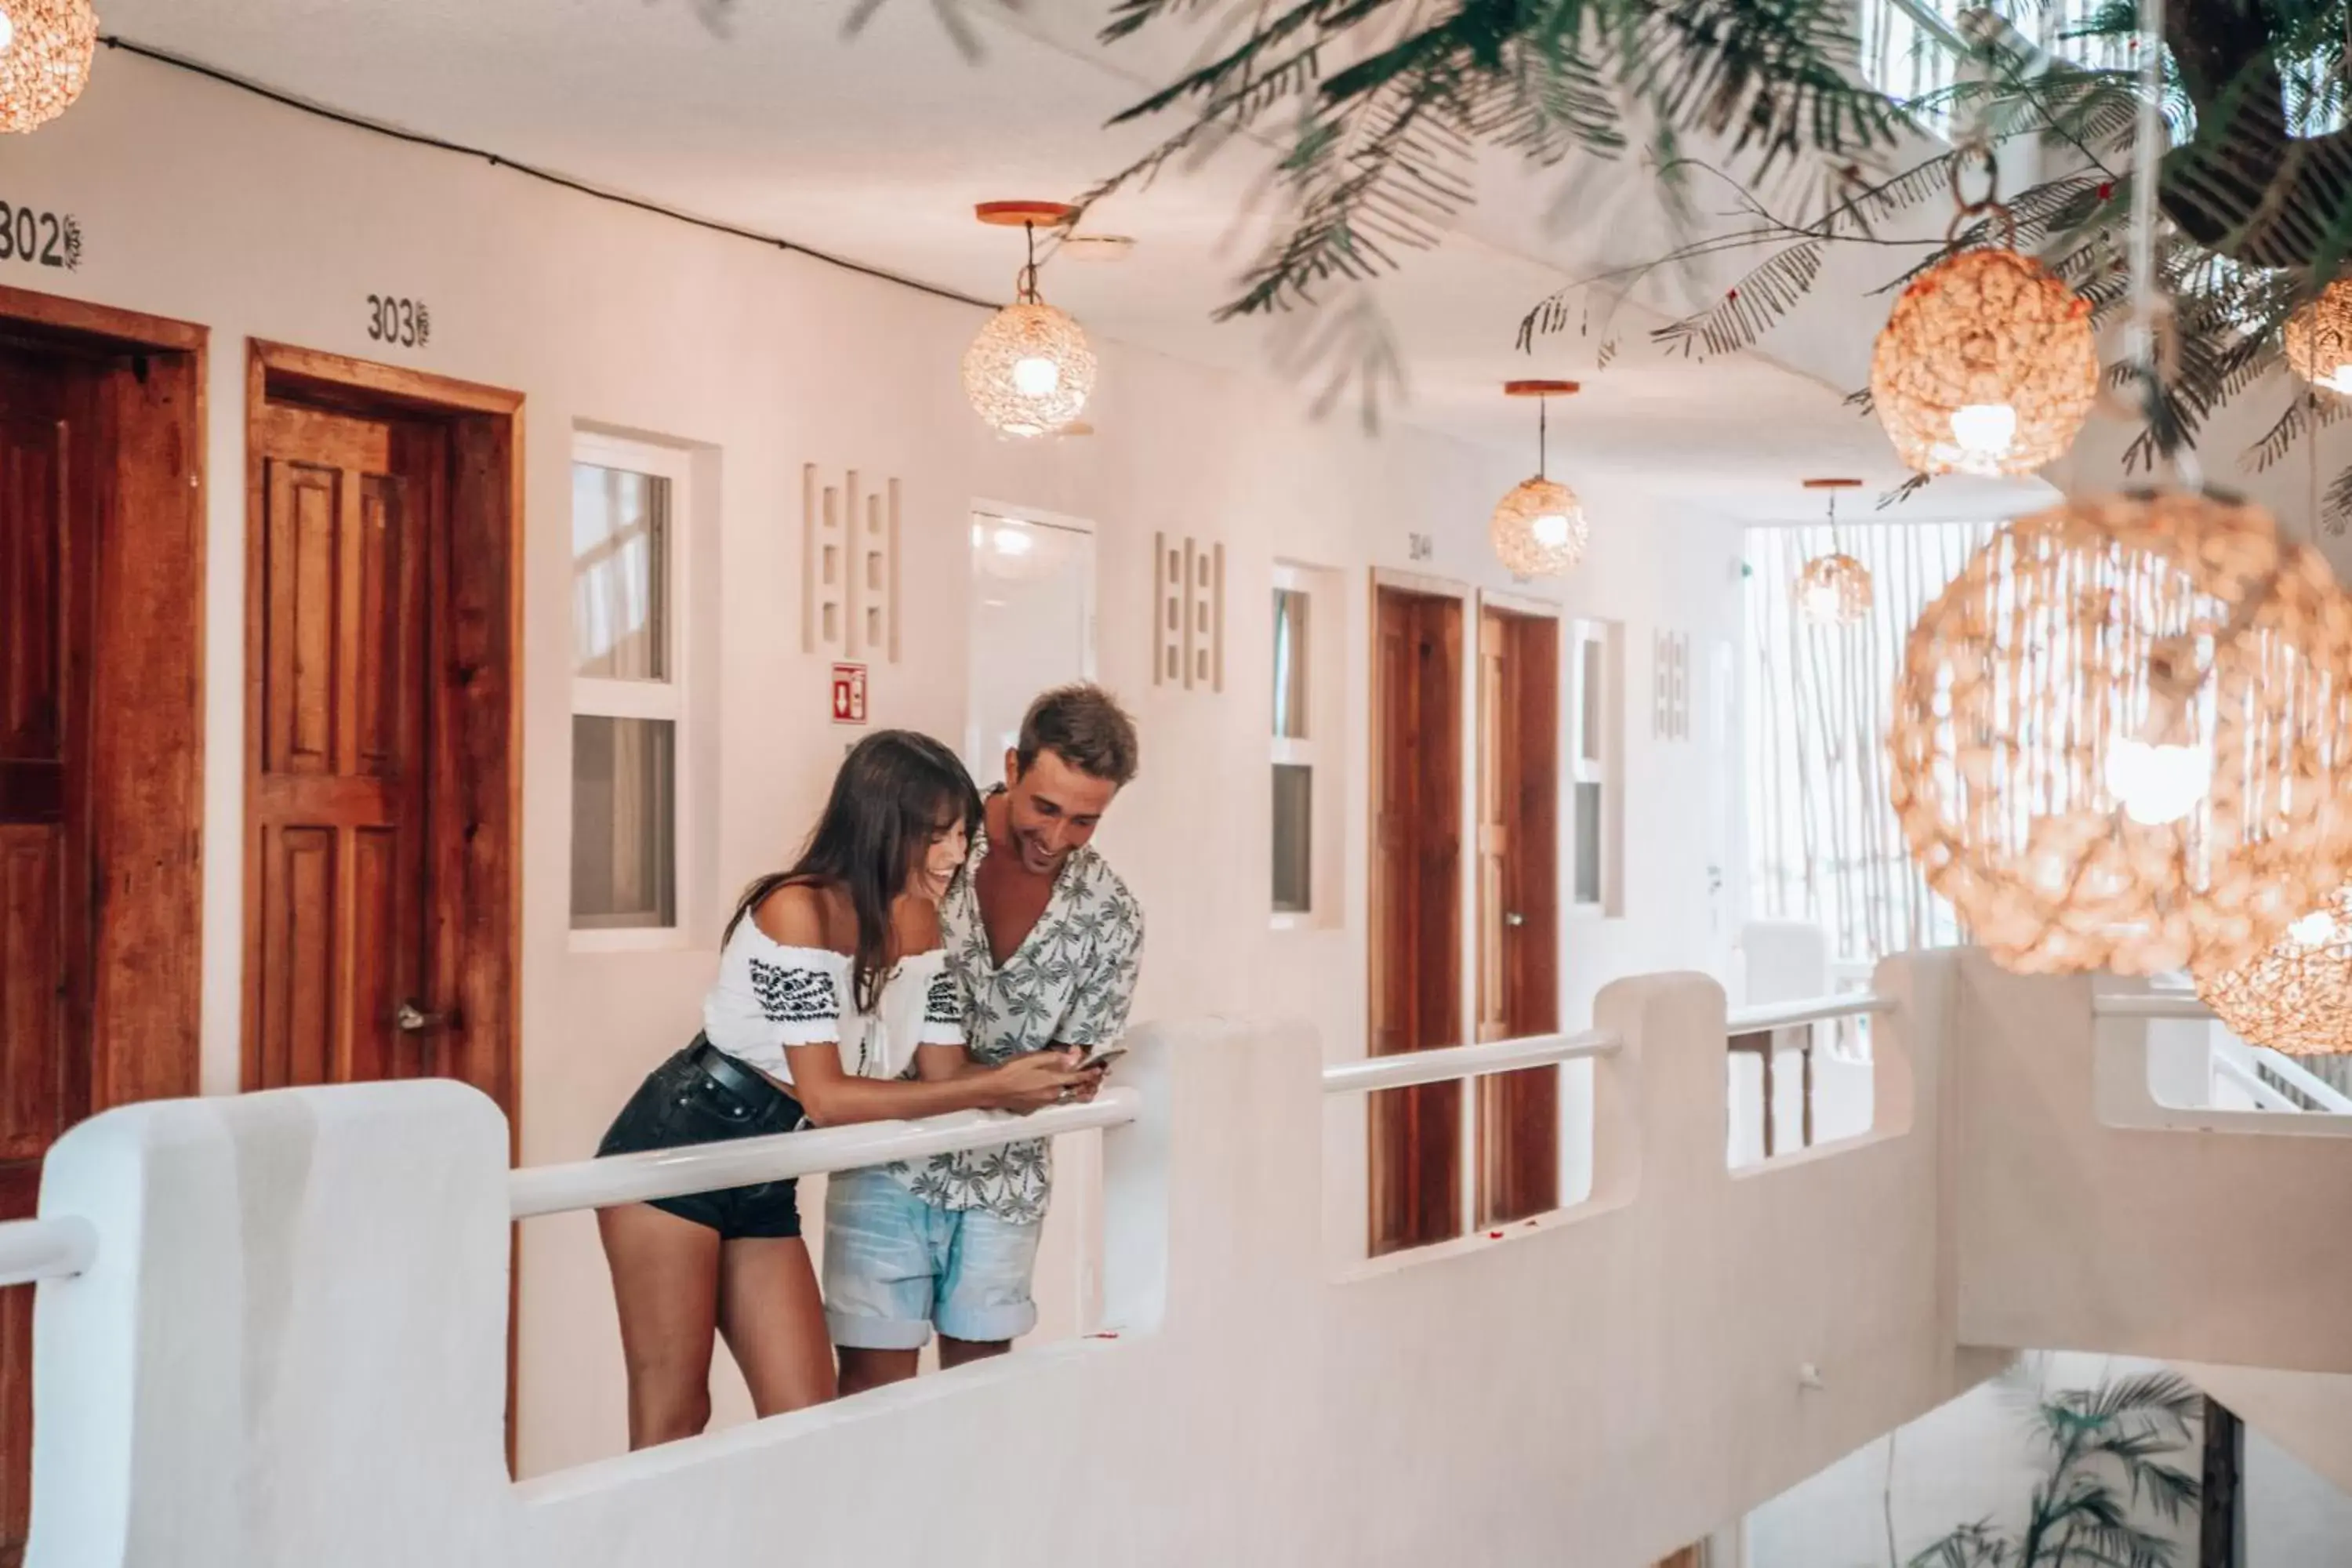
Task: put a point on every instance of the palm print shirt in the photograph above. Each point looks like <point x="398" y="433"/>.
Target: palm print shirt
<point x="1070" y="982"/>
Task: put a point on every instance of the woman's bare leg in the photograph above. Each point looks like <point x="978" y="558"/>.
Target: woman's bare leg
<point x="774" y="1318"/>
<point x="665" y="1275"/>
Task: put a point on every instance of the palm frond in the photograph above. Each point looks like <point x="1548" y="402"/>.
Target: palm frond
<point x="2335" y="504"/>
<point x="1904" y="492"/>
<point x="1380" y="161"/>
<point x="1748" y="310"/>
<point x="2306" y="414"/>
<point x="1970" y="1546"/>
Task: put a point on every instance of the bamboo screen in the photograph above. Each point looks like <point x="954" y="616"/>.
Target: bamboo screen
<point x="1822" y="842"/>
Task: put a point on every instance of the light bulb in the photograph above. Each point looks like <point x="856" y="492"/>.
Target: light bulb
<point x="2315" y="929"/>
<point x="1014" y="541"/>
<point x="2158" y="784"/>
<point x="1985" y="429"/>
<point x="1035" y="376"/>
<point x="1819" y="602"/>
<point x="7" y="30"/>
<point x="1551" y="530"/>
<point x="2338" y="379"/>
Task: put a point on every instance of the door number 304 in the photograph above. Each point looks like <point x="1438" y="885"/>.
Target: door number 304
<point x="397" y="321"/>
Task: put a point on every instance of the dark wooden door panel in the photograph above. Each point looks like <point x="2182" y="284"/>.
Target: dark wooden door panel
<point x="44" y="837"/>
<point x="32" y="969"/>
<point x="1518" y="928"/>
<point x="101" y="706"/>
<point x="340" y="798"/>
<point x="1415" y="926"/>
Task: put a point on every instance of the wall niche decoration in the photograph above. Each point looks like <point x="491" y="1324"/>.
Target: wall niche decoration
<point x="849" y="566"/>
<point x="1187" y="620"/>
<point x="1670" y="687"/>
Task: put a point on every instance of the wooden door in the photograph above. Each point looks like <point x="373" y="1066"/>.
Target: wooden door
<point x="383" y="759"/>
<point x="1416" y="918"/>
<point x="101" y="703"/>
<point x="1518" y="908"/>
<point x="342" y="985"/>
<point x="45" y="880"/>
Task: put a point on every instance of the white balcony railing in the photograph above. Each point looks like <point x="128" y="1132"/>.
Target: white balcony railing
<point x="55" y="1248"/>
<point x="539" y="1189"/>
<point x="1451" y="1063"/>
<point x="291" y="1344"/>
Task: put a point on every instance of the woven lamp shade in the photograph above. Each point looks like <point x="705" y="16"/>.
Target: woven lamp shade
<point x="2297" y="996"/>
<point x="45" y="62"/>
<point x="1539" y="529"/>
<point x="2319" y="339"/>
<point x="2120" y="737"/>
<point x="1030" y="370"/>
<point x="1986" y="366"/>
<point x="1833" y="590"/>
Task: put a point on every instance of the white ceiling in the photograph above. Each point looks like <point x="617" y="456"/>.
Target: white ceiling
<point x="876" y="148"/>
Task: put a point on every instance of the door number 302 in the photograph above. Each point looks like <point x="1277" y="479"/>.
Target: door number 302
<point x="397" y="321"/>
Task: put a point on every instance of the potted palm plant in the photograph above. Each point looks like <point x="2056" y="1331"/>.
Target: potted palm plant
<point x="2110" y="1481"/>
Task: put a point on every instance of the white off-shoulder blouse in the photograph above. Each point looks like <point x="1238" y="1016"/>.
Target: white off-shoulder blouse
<point x="768" y="996"/>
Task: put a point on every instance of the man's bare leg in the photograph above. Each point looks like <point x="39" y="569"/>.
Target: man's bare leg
<point x="863" y="1369"/>
<point x="956" y="1353"/>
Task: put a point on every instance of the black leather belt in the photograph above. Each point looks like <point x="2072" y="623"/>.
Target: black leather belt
<point x="734" y="1076"/>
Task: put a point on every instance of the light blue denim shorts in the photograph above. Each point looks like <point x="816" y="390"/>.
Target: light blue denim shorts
<point x="894" y="1266"/>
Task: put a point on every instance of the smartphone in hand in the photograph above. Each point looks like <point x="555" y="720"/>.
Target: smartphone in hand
<point x="1102" y="1057"/>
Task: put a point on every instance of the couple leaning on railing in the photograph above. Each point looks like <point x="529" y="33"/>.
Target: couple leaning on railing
<point x="931" y="951"/>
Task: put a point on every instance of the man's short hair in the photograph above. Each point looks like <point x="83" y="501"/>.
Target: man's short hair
<point x="1084" y="726"/>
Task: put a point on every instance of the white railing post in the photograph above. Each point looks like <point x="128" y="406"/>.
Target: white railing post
<point x="290" y="1288"/>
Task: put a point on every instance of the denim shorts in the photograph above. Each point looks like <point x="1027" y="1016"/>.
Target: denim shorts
<point x="683" y="1103"/>
<point x="894" y="1266"/>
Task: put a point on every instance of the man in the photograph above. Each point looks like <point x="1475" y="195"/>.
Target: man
<point x="1043" y="940"/>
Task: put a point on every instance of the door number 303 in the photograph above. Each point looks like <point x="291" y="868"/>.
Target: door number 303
<point x="397" y="321"/>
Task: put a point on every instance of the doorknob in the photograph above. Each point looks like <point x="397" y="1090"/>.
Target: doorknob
<point x="1515" y="919"/>
<point x="411" y="1019"/>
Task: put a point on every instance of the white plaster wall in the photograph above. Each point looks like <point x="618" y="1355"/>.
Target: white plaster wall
<point x="204" y="203"/>
<point x="2295" y="1517"/>
<point x="2086" y="1219"/>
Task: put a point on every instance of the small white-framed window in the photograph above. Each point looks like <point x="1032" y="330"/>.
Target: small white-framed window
<point x="1294" y="747"/>
<point x="629" y="500"/>
<point x="1303" y="851"/>
<point x="1595" y="770"/>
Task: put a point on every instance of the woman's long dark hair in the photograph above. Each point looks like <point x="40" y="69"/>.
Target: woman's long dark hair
<point x="895" y="795"/>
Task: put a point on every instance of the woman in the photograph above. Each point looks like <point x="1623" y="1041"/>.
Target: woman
<point x="832" y="981"/>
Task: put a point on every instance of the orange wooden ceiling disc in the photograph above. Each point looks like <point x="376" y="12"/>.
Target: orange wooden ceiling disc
<point x="1540" y="388"/>
<point x="1025" y="214"/>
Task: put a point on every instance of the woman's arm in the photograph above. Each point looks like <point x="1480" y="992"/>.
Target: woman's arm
<point x="943" y="1064"/>
<point x="833" y="1099"/>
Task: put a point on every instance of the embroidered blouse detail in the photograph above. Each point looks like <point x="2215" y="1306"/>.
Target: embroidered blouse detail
<point x="768" y="996"/>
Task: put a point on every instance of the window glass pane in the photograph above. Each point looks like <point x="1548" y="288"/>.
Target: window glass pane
<point x="624" y="822"/>
<point x="620" y="572"/>
<point x="1289" y="664"/>
<point x="1589" y="695"/>
<point x="1294" y="860"/>
<point x="1587" y="843"/>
